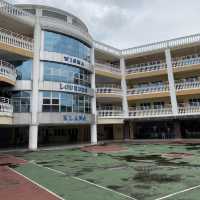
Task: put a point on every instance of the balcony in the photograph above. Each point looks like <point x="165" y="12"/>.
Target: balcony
<point x="107" y="69"/>
<point x="188" y="88"/>
<point x="16" y="43"/>
<point x="145" y="70"/>
<point x="110" y="113"/>
<point x="108" y="90"/>
<point x="6" y="109"/>
<point x="152" y="91"/>
<point x="189" y="64"/>
<point x="7" y="73"/>
<point x="150" y="112"/>
<point x="189" y="110"/>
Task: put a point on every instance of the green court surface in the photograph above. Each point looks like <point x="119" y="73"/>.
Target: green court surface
<point x="140" y="173"/>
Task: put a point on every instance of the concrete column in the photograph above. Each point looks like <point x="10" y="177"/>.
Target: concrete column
<point x="132" y="130"/>
<point x="93" y="128"/>
<point x="177" y="130"/>
<point x="124" y="87"/>
<point x="33" y="130"/>
<point x="171" y="82"/>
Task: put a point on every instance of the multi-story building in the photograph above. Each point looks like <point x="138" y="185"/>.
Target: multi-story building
<point x="60" y="86"/>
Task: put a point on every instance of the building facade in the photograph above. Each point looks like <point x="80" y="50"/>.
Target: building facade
<point x="60" y="86"/>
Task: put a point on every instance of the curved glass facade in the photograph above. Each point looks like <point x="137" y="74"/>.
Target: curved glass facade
<point x="24" y="69"/>
<point x="59" y="43"/>
<point x="66" y="73"/>
<point x="65" y="102"/>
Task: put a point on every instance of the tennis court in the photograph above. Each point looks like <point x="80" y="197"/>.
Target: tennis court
<point x="139" y="172"/>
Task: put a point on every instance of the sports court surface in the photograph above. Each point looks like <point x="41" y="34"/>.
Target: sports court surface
<point x="137" y="172"/>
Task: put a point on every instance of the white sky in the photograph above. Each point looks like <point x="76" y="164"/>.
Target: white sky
<point x="129" y="23"/>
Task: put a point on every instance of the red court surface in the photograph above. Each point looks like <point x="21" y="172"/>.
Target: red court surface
<point x="15" y="187"/>
<point x="104" y="149"/>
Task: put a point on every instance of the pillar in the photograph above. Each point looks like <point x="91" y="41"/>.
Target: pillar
<point x="172" y="88"/>
<point x="33" y="129"/>
<point x="177" y="130"/>
<point x="132" y="129"/>
<point x="93" y="126"/>
<point x="124" y="87"/>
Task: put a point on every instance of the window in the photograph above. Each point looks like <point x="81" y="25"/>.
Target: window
<point x="21" y="101"/>
<point x="66" y="73"/>
<point x="65" y="102"/>
<point x="56" y="42"/>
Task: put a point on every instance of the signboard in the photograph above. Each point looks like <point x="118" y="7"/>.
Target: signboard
<point x="79" y="118"/>
<point x="72" y="87"/>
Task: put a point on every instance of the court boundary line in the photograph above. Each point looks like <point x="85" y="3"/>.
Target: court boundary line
<point x="179" y="192"/>
<point x="37" y="184"/>
<point x="77" y="178"/>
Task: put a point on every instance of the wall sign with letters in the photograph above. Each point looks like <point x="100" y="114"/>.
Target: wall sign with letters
<point x="79" y="118"/>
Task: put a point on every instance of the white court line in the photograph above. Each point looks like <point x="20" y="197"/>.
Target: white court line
<point x="176" y="193"/>
<point x="54" y="194"/>
<point x="96" y="185"/>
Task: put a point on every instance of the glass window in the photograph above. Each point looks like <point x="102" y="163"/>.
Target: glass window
<point x="56" y="42"/>
<point x="21" y="101"/>
<point x="24" y="69"/>
<point x="65" y="102"/>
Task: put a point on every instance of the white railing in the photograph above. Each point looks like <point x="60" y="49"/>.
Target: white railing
<point x="188" y="110"/>
<point x="6" y="109"/>
<point x="107" y="48"/>
<point x="107" y="67"/>
<point x="148" y="89"/>
<point x="108" y="89"/>
<point x="186" y="62"/>
<point x="187" y="85"/>
<point x="110" y="113"/>
<point x="16" y="40"/>
<point x="7" y="70"/>
<point x="10" y="9"/>
<point x="149" y="68"/>
<point x="177" y="42"/>
<point x="151" y="112"/>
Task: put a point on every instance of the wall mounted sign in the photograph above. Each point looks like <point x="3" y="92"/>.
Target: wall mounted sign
<point x="79" y="118"/>
<point x="72" y="87"/>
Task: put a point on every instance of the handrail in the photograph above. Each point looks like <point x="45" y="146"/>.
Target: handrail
<point x="152" y="112"/>
<point x="107" y="67"/>
<point x="108" y="89"/>
<point x="148" y="89"/>
<point x="7" y="70"/>
<point x="12" y="10"/>
<point x="148" y="68"/>
<point x="187" y="85"/>
<point x="15" y="39"/>
<point x="185" y="62"/>
<point x="189" y="110"/>
<point x="5" y="107"/>
<point x="110" y="113"/>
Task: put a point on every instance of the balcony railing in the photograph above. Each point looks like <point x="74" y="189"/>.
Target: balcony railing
<point x="6" y="109"/>
<point x="187" y="85"/>
<point x="148" y="68"/>
<point x="108" y="67"/>
<point x="186" y="62"/>
<point x="151" y="112"/>
<point x="148" y="89"/>
<point x="8" y="8"/>
<point x="108" y="89"/>
<point x="7" y="70"/>
<point x="16" y="40"/>
<point x="110" y="113"/>
<point x="189" y="110"/>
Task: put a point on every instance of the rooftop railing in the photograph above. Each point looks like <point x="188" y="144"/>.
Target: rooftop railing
<point x="148" y="89"/>
<point x="148" y="68"/>
<point x="6" y="109"/>
<point x="150" y="112"/>
<point x="177" y="42"/>
<point x="7" y="70"/>
<point x="108" y="67"/>
<point x="16" y="40"/>
<point x="10" y="9"/>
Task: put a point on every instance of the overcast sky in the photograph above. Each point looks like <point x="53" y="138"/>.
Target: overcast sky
<point x="128" y="23"/>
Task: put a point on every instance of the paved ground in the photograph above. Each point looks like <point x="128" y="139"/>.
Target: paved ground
<point x="140" y="173"/>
